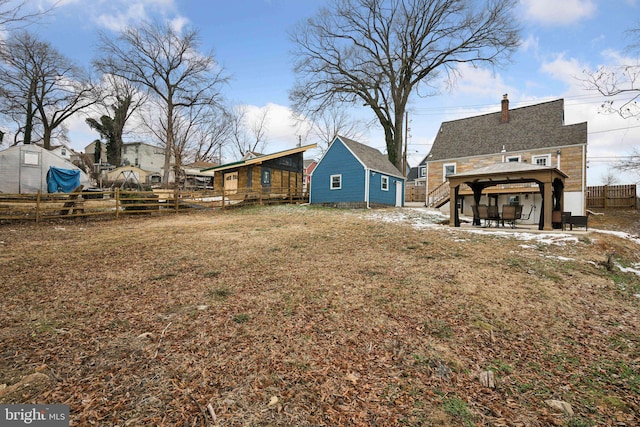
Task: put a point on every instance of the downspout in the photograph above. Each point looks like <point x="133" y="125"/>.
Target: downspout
<point x="366" y="187"/>
<point x="584" y="179"/>
<point x="426" y="184"/>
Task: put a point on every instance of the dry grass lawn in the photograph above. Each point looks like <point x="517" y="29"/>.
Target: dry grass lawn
<point x="317" y="317"/>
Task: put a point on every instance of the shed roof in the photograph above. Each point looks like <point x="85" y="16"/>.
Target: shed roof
<point x="371" y="158"/>
<point x="259" y="159"/>
<point x="532" y="127"/>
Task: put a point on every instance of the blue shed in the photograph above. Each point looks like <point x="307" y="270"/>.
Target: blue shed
<point x="351" y="174"/>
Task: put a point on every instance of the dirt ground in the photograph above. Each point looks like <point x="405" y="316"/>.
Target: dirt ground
<point x="295" y="315"/>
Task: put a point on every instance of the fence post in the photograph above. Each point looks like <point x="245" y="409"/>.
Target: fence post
<point x="175" y="197"/>
<point x="223" y="202"/>
<point x="117" y="195"/>
<point x="38" y="207"/>
<point x="605" y="194"/>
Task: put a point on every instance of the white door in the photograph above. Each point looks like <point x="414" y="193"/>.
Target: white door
<point x="398" y="194"/>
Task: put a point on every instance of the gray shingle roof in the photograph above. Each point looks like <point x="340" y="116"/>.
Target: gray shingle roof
<point x="372" y="158"/>
<point x="533" y="127"/>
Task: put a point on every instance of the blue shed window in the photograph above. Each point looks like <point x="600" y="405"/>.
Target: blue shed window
<point x="336" y="182"/>
<point x="384" y="183"/>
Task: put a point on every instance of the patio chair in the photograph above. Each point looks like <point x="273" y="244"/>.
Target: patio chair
<point x="510" y="214"/>
<point x="483" y="213"/>
<point x="493" y="215"/>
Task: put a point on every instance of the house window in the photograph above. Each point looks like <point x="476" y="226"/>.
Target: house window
<point x="336" y="182"/>
<point x="63" y="152"/>
<point x="449" y="169"/>
<point x="384" y="183"/>
<point x="544" y="160"/>
<point x="266" y="177"/>
<point x="512" y="159"/>
<point x="423" y="171"/>
<point x="249" y="177"/>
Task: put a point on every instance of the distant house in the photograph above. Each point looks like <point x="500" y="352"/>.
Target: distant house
<point x="534" y="136"/>
<point x="351" y="174"/>
<point x="309" y="166"/>
<point x="145" y="156"/>
<point x="280" y="172"/>
<point x="24" y="169"/>
<point x="90" y="150"/>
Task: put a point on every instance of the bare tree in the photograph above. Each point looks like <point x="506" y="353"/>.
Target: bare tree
<point x="614" y="80"/>
<point x="16" y="14"/>
<point x="122" y="100"/>
<point x="248" y="134"/>
<point x="42" y="86"/>
<point x="334" y="121"/>
<point x="167" y="65"/>
<point x="380" y="52"/>
<point x="212" y="136"/>
<point x="609" y="178"/>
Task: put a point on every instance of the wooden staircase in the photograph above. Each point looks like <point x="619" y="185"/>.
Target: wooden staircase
<point x="439" y="195"/>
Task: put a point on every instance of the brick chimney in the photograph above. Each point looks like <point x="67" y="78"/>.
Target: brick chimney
<point x="504" y="117"/>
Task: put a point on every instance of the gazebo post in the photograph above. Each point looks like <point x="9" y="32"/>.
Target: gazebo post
<point x="453" y="204"/>
<point x="477" y="194"/>
<point x="547" y="201"/>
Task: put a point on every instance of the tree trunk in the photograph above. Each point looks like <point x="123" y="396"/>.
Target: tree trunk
<point x="46" y="138"/>
<point x="168" y="146"/>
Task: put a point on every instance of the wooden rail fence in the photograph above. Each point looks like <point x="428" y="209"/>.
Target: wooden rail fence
<point x="118" y="203"/>
<point x="611" y="196"/>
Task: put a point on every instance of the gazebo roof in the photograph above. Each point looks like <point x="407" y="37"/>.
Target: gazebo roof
<point x="507" y="171"/>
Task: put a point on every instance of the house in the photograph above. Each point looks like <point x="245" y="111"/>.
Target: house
<point x="24" y="169"/>
<point x="309" y="166"/>
<point x="279" y="172"/>
<point x="90" y="150"/>
<point x="145" y="156"/>
<point x="351" y="174"/>
<point x="473" y="149"/>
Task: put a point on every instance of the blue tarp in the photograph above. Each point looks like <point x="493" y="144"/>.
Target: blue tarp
<point x="62" y="180"/>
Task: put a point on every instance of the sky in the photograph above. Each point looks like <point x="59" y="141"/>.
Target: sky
<point x="560" y="41"/>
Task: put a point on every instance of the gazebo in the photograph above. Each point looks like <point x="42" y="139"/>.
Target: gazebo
<point x="550" y="182"/>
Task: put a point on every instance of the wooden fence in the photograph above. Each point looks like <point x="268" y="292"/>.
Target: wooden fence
<point x="611" y="196"/>
<point x="118" y="203"/>
<point x="415" y="193"/>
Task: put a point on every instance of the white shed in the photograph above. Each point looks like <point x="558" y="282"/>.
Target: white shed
<point x="23" y="169"/>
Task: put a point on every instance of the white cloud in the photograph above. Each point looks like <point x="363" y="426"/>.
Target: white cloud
<point x="559" y="12"/>
<point x="115" y="15"/>
<point x="563" y="69"/>
<point x="530" y="44"/>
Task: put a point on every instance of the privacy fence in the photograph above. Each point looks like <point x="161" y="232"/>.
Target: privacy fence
<point x="611" y="196"/>
<point x="119" y="203"/>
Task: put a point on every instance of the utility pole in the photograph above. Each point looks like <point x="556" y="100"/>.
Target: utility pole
<point x="406" y="138"/>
